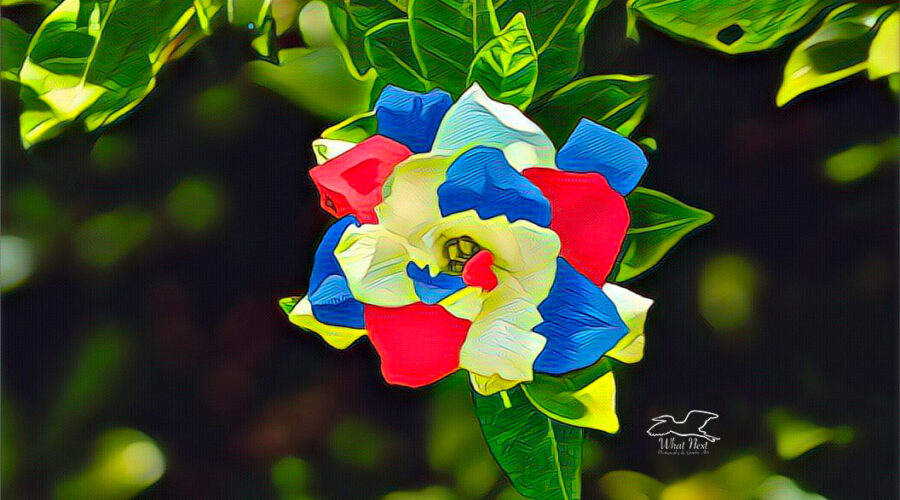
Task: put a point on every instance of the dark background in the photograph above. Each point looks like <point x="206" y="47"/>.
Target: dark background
<point x="225" y="385"/>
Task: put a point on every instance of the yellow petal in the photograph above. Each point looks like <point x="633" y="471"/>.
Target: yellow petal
<point x="632" y="309"/>
<point x="339" y="337"/>
<point x="598" y="400"/>
<point x="490" y="385"/>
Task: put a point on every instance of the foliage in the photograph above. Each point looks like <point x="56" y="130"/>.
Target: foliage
<point x="851" y="38"/>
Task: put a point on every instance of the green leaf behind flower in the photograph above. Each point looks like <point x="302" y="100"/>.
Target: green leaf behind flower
<point x="658" y="222"/>
<point x="838" y="49"/>
<point x="730" y="26"/>
<point x="558" y="29"/>
<point x="92" y="61"/>
<point x="585" y="397"/>
<point x="15" y="44"/>
<point x="542" y="457"/>
<point x="506" y="67"/>
<point x="614" y="101"/>
<point x="446" y="35"/>
<point x="352" y="20"/>
<point x="390" y="52"/>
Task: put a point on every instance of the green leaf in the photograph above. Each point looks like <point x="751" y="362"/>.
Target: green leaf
<point x="390" y="51"/>
<point x="658" y="222"/>
<point x="614" y="101"/>
<point x="557" y="29"/>
<point x="265" y="44"/>
<point x="94" y="60"/>
<point x="352" y="20"/>
<point x="884" y="54"/>
<point x="249" y="14"/>
<point x="15" y="44"/>
<point x="314" y="79"/>
<point x="730" y="26"/>
<point x="354" y="129"/>
<point x="837" y="49"/>
<point x="446" y="35"/>
<point x="206" y="12"/>
<point x="583" y="398"/>
<point x="541" y="456"/>
<point x="506" y="67"/>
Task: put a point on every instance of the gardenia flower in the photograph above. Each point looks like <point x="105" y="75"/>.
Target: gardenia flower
<point x="464" y="240"/>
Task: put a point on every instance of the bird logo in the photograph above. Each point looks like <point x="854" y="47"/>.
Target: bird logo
<point x="691" y="426"/>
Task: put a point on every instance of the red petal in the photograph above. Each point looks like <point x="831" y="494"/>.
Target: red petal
<point x="588" y="215"/>
<point x="418" y="344"/>
<point x="351" y="183"/>
<point x="477" y="271"/>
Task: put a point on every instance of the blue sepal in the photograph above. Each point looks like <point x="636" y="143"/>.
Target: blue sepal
<point x="482" y="179"/>
<point x="433" y="289"/>
<point x="411" y="118"/>
<point x="330" y="297"/>
<point x="595" y="148"/>
<point x="580" y="323"/>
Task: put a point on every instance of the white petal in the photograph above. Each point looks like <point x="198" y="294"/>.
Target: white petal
<point x="633" y="310"/>
<point x="500" y="341"/>
<point x="477" y="120"/>
<point x="326" y="149"/>
<point x="374" y="261"/>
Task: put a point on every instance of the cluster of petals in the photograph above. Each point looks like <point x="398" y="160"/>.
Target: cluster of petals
<point x="465" y="240"/>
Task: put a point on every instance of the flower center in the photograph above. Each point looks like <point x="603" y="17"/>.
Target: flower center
<point x="458" y="251"/>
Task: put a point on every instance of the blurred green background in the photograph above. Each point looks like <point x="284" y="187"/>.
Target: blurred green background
<point x="144" y="354"/>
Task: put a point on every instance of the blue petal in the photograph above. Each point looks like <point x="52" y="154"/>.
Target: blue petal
<point x="580" y="322"/>
<point x="595" y="148"/>
<point x="433" y="289"/>
<point x="411" y="118"/>
<point x="329" y="294"/>
<point x="481" y="179"/>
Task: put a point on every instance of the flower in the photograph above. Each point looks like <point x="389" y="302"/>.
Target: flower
<point x="465" y="240"/>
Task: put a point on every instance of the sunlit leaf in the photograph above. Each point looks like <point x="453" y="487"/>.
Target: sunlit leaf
<point x="541" y="457"/>
<point x="315" y="24"/>
<point x="125" y="463"/>
<point x="884" y="54"/>
<point x="112" y="153"/>
<point x="455" y="442"/>
<point x="446" y="34"/>
<point x="557" y="29"/>
<point x="389" y="48"/>
<point x="837" y="49"/>
<point x="629" y="485"/>
<point x="206" y="11"/>
<point x="730" y="26"/>
<point x="18" y="262"/>
<point x="506" y="66"/>
<point x="92" y="61"/>
<point x="727" y="292"/>
<point x="357" y="442"/>
<point x="429" y="493"/>
<point x="106" y="239"/>
<point x="794" y="436"/>
<point x="314" y="79"/>
<point x="290" y="475"/>
<point x="249" y="14"/>
<point x="10" y="440"/>
<point x="614" y="101"/>
<point x="196" y="205"/>
<point x="15" y="44"/>
<point x="96" y="367"/>
<point x="584" y="398"/>
<point x="265" y="44"/>
<point x="351" y="21"/>
<point x="861" y="160"/>
<point x="658" y="222"/>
